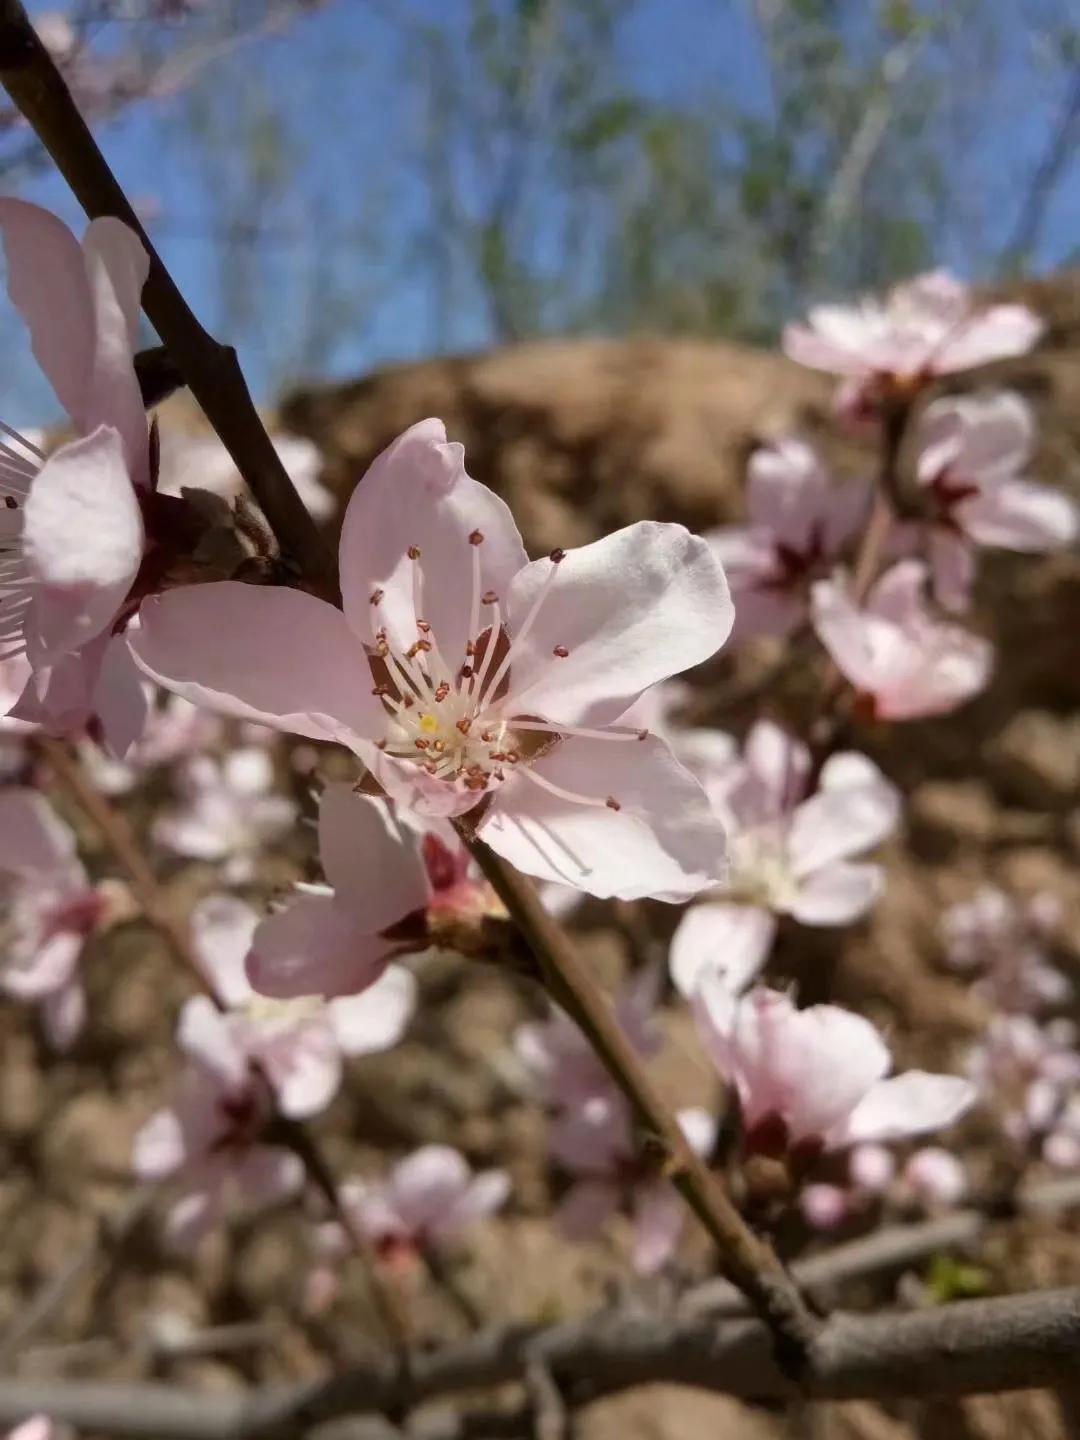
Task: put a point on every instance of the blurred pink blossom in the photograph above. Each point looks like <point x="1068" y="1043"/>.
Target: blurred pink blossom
<point x="800" y="523"/>
<point x="330" y="940"/>
<point x="36" y="1427"/>
<point x="50" y="909"/>
<point x="973" y="451"/>
<point x="815" y="1079"/>
<point x="209" y="1140"/>
<point x="300" y="1043"/>
<point x="1004" y="939"/>
<point x="931" y="1177"/>
<point x="563" y="1064"/>
<point x="595" y="1143"/>
<point x="489" y="678"/>
<point x="930" y="325"/>
<point x="903" y="662"/>
<point x="202" y="462"/>
<point x="789" y="855"/>
<point x="427" y="1199"/>
<point x="73" y="532"/>
<point x="230" y="811"/>
<point x="1026" y="1071"/>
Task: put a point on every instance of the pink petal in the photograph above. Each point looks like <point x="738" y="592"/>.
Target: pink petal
<point x="837" y="894"/>
<point x="806" y="346"/>
<point x="485" y="1193"/>
<point x="1020" y="515"/>
<point x="120" y="700"/>
<point x="193" y="1217"/>
<point x="222" y="927"/>
<point x="786" y="491"/>
<point x="376" y="1019"/>
<point x="209" y="1038"/>
<point x="765" y="611"/>
<point x="634" y="608"/>
<point x="48" y="286"/>
<point x="854" y="809"/>
<point x="45" y="972"/>
<point x="936" y="1175"/>
<point x="33" y="838"/>
<point x="417" y="494"/>
<point x="658" y="1216"/>
<point x="303" y="1063"/>
<point x="267" y="1175"/>
<point x="159" y="1148"/>
<point x="371" y="861"/>
<point x="83" y="540"/>
<point x="996" y="333"/>
<point x="908" y="1104"/>
<point x="63" y="1015"/>
<point x="731" y="942"/>
<point x="427" y="1183"/>
<point x="665" y="841"/>
<point x="314" y="947"/>
<point x="261" y="653"/>
<point x="952" y="566"/>
<point x="584" y="1208"/>
<point x="116" y="269"/>
<point x="842" y="630"/>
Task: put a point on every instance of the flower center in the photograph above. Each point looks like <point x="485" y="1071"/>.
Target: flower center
<point x="760" y="871"/>
<point x="456" y="716"/>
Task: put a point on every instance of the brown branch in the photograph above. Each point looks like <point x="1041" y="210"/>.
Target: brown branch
<point x="746" y="1260"/>
<point x="122" y="842"/>
<point x="973" y="1347"/>
<point x="211" y="370"/>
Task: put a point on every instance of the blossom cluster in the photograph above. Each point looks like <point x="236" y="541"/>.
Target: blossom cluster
<point x="465" y="694"/>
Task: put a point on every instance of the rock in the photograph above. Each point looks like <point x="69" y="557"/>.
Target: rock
<point x="1036" y="760"/>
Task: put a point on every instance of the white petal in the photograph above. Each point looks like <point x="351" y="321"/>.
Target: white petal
<point x="731" y="942"/>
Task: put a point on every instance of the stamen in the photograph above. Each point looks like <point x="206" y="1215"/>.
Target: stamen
<point x="376" y="596"/>
<point x="581" y="731"/>
<point x="563" y="794"/>
<point x="478" y="688"/>
<point x="556" y="557"/>
<point x="476" y="537"/>
<point x="561" y="651"/>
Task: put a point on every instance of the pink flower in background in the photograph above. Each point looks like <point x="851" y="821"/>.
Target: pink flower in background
<point x="931" y="325"/>
<point x="1026" y="1071"/>
<point x="230" y="811"/>
<point x="800" y="522"/>
<point x="330" y="940"/>
<point x="300" y="1043"/>
<point x="815" y="1079"/>
<point x="467" y="678"/>
<point x="1005" y="940"/>
<point x="903" y="662"/>
<point x="201" y="462"/>
<point x="564" y="1065"/>
<point x="930" y="1177"/>
<point x="175" y="730"/>
<point x="73" y="535"/>
<point x="789" y="855"/>
<point x="427" y="1199"/>
<point x="50" y="909"/>
<point x="37" y="1427"/>
<point x="210" y="1139"/>
<point x="973" y="451"/>
<point x="595" y="1143"/>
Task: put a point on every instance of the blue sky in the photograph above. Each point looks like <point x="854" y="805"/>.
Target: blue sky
<point x="339" y="77"/>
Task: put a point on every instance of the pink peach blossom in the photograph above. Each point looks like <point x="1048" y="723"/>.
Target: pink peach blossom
<point x="201" y="462"/>
<point x="210" y="1138"/>
<point x="1026" y="1071"/>
<point x="427" y="1199"/>
<point x="928" y="326"/>
<point x="300" y="1043"/>
<point x="903" y="662"/>
<point x="561" y="1062"/>
<point x="73" y="532"/>
<point x="790" y="854"/>
<point x="1005" y="939"/>
<point x="50" y="908"/>
<point x="595" y="1143"/>
<point x="800" y="523"/>
<point x="815" y="1079"/>
<point x="330" y="940"/>
<point x="466" y="678"/>
<point x="230" y="811"/>
<point x="973" y="452"/>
